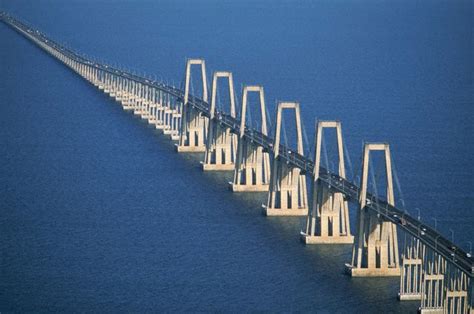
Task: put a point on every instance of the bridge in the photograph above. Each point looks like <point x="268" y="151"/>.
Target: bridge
<point x="431" y="268"/>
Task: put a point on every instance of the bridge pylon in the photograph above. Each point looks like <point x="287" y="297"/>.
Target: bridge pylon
<point x="252" y="166"/>
<point x="221" y="144"/>
<point x="287" y="195"/>
<point x="192" y="131"/>
<point x="375" y="249"/>
<point x="328" y="219"/>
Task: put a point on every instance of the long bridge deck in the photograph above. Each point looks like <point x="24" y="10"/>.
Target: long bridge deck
<point x="426" y="234"/>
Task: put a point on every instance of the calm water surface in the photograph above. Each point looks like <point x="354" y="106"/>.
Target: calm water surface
<point x="98" y="213"/>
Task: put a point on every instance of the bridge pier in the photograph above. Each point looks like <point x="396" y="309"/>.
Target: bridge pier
<point x="375" y="252"/>
<point x="160" y="111"/>
<point x="411" y="270"/>
<point x="131" y="96"/>
<point x="152" y="107"/>
<point x="328" y="220"/>
<point x="433" y="292"/>
<point x="252" y="166"/>
<point x="287" y="194"/>
<point x="445" y="288"/>
<point x="145" y="102"/>
<point x="137" y="109"/>
<point x="221" y="144"/>
<point x="457" y="291"/>
<point x="192" y="131"/>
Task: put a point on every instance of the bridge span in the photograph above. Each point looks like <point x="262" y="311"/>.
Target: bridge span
<point x="432" y="269"/>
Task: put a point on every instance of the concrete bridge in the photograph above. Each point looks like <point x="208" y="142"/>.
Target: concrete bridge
<point x="431" y="268"/>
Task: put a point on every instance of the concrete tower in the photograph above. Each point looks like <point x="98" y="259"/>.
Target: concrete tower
<point x="221" y="144"/>
<point x="287" y="195"/>
<point x="193" y="125"/>
<point x="375" y="251"/>
<point x="252" y="167"/>
<point x="328" y="220"/>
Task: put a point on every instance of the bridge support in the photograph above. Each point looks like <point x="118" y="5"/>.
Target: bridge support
<point x="445" y="288"/>
<point x="375" y="252"/>
<point x="433" y="292"/>
<point x="328" y="221"/>
<point x="252" y="167"/>
<point x="457" y="292"/>
<point x="192" y="132"/>
<point x="411" y="270"/>
<point x="152" y="117"/>
<point x="160" y="111"/>
<point x="287" y="194"/>
<point x="221" y="143"/>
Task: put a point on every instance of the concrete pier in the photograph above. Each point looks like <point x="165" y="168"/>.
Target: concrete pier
<point x="411" y="270"/>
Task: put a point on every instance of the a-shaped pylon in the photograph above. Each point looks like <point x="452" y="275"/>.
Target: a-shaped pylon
<point x="328" y="220"/>
<point x="287" y="195"/>
<point x="192" y="132"/>
<point x="221" y="143"/>
<point x="375" y="250"/>
<point x="252" y="167"/>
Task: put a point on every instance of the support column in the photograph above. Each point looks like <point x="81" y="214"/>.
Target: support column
<point x="168" y="119"/>
<point x="137" y="110"/>
<point x="287" y="194"/>
<point x="328" y="221"/>
<point x="411" y="270"/>
<point x="160" y="111"/>
<point x="221" y="144"/>
<point x="113" y="80"/>
<point x="152" y="107"/>
<point x="252" y="166"/>
<point x="193" y="125"/>
<point x="375" y="252"/>
<point x="457" y="291"/>
<point x="146" y="103"/>
<point x="176" y="118"/>
<point x="126" y="94"/>
<point x="433" y="291"/>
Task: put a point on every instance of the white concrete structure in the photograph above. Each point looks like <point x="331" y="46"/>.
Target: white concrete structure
<point x="252" y="167"/>
<point x="221" y="144"/>
<point x="287" y="194"/>
<point x="375" y="251"/>
<point x="411" y="270"/>
<point x="193" y="127"/>
<point x="328" y="220"/>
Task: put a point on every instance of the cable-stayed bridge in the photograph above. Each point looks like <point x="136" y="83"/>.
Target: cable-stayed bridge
<point x="431" y="268"/>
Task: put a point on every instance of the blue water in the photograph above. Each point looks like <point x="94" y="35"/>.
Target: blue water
<point x="98" y="213"/>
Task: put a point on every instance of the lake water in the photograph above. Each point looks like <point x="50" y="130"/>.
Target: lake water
<point x="98" y="213"/>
